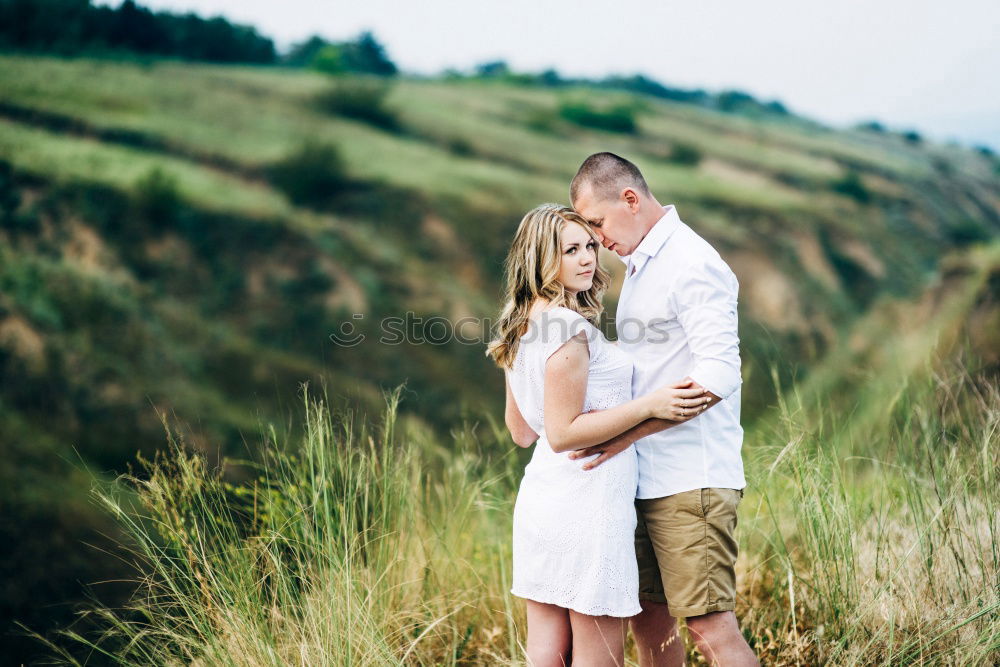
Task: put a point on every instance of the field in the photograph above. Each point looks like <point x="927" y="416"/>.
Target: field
<point x="378" y="544"/>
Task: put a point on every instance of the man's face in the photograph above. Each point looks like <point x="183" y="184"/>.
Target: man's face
<point x="613" y="220"/>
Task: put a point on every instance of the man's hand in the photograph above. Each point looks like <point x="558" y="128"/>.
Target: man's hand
<point x="712" y="398"/>
<point x="605" y="449"/>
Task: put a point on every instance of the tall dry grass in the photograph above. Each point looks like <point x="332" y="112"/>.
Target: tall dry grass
<point x="377" y="544"/>
<point x="878" y="547"/>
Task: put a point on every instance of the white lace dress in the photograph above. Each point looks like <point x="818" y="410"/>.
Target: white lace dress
<point x="574" y="529"/>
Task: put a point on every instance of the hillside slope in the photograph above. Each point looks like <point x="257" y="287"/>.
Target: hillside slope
<point x="151" y="261"/>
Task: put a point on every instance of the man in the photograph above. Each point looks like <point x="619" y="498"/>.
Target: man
<point x="676" y="317"/>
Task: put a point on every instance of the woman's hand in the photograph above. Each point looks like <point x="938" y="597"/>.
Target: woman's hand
<point x="679" y="401"/>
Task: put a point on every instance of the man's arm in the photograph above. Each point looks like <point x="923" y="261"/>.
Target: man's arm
<point x="706" y="310"/>
<point x="621" y="442"/>
<point x="705" y="301"/>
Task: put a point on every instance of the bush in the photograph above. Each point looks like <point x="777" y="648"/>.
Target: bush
<point x="912" y="137"/>
<point x="157" y="198"/>
<point x="363" y="55"/>
<point x="646" y="86"/>
<point x="871" y="126"/>
<point x="734" y="100"/>
<point x="311" y="175"/>
<point x="942" y="165"/>
<point x="460" y="146"/>
<point x="969" y="232"/>
<point x="493" y="69"/>
<point x="550" y="78"/>
<point x="10" y="202"/>
<point x="737" y="101"/>
<point x="387" y="206"/>
<point x="619" y="118"/>
<point x="685" y="154"/>
<point x="852" y="186"/>
<point x="542" y="120"/>
<point x="776" y="107"/>
<point x="360" y="99"/>
<point x="10" y="198"/>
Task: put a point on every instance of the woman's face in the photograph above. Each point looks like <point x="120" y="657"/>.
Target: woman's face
<point x="579" y="258"/>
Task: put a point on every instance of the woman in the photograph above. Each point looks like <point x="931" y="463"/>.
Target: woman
<point x="569" y="388"/>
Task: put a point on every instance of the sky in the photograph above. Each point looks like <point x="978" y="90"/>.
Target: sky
<point x="928" y="65"/>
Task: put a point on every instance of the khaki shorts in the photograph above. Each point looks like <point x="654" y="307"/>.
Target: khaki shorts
<point x="686" y="549"/>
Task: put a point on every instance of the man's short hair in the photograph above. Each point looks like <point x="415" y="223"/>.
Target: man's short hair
<point x="607" y="174"/>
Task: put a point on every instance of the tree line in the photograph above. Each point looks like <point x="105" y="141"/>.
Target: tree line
<point x="730" y="101"/>
<point x="77" y="27"/>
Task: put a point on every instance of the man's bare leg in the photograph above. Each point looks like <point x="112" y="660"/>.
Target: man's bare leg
<point x="656" y="638"/>
<point x="719" y="639"/>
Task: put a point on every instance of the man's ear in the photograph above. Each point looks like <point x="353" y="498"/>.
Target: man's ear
<point x="631" y="199"/>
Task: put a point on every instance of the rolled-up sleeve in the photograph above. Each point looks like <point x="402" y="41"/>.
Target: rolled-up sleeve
<point x="705" y="298"/>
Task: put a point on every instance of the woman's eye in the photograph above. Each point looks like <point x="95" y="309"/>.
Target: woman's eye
<point x="571" y="251"/>
<point x="592" y="244"/>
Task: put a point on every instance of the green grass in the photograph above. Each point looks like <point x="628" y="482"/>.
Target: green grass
<point x="254" y="115"/>
<point x="780" y="170"/>
<point x="65" y="158"/>
<point x="794" y="145"/>
<point x="357" y="530"/>
<point x="254" y="118"/>
<point x="379" y="544"/>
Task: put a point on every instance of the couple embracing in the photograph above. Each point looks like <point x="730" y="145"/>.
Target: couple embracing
<point x="627" y="510"/>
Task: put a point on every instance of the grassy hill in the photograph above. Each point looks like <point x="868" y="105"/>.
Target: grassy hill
<point x="183" y="239"/>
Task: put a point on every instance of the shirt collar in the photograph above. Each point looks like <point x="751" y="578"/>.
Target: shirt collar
<point x="654" y="239"/>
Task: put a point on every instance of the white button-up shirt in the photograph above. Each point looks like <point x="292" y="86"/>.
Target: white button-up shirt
<point x="676" y="318"/>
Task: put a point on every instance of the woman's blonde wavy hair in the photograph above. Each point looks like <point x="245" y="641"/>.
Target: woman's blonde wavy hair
<point x="532" y="272"/>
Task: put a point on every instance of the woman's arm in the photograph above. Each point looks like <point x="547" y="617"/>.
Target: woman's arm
<point x="522" y="434"/>
<point x="618" y="444"/>
<point x="568" y="428"/>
